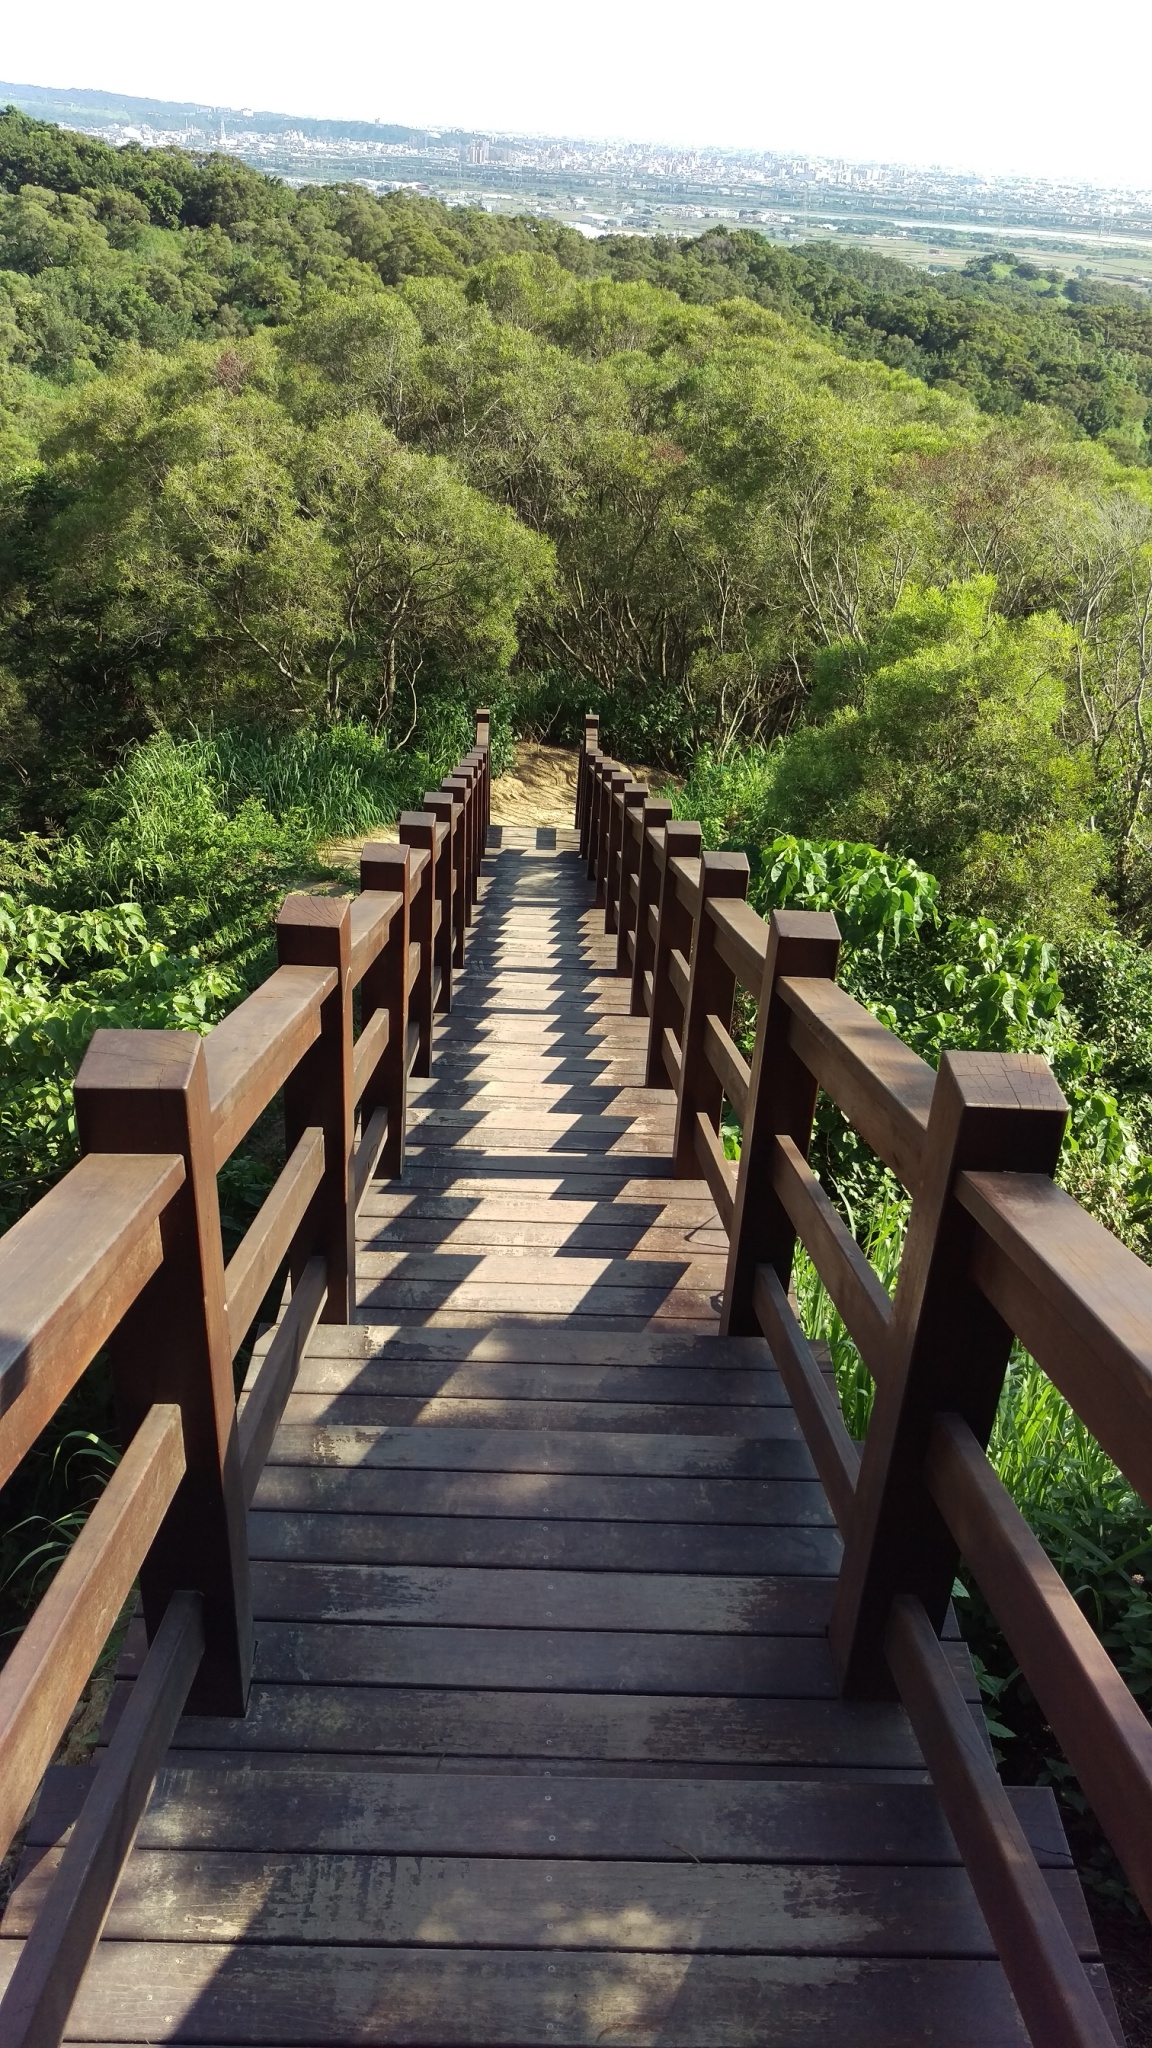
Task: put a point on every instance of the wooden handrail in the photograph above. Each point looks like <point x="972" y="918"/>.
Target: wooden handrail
<point x="69" y="1270"/>
<point x="50" y="1663"/>
<point x="994" y="1250"/>
<point x="127" y="1253"/>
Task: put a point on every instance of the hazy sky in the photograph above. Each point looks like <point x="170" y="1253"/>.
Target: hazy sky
<point x="1034" y="85"/>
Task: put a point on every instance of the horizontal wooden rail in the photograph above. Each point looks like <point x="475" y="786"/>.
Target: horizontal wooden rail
<point x="50" y="1663"/>
<point x="1105" y="1736"/>
<point x="263" y="1402"/>
<point x="993" y="1250"/>
<point x="36" y="2004"/>
<point x="369" y="1050"/>
<point x="883" y="1087"/>
<point x="253" y="1264"/>
<point x="1079" y="1301"/>
<point x="372" y="915"/>
<point x="69" y="1270"/>
<point x="250" y="1053"/>
<point x="1048" y="1980"/>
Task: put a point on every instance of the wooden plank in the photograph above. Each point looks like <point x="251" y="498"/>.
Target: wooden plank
<point x="850" y="1280"/>
<point x="374" y="1411"/>
<point x="464" y="1902"/>
<point x="1056" y="2000"/>
<point x="883" y="1087"/>
<point x="1103" y="1732"/>
<point x="529" y="1450"/>
<point x="305" y="1805"/>
<point x="518" y="1660"/>
<point x="252" y="1267"/>
<point x="72" y="1891"/>
<point x="263" y="1401"/>
<point x="728" y="1064"/>
<point x="741" y="941"/>
<point x="718" y="1171"/>
<point x="431" y="1997"/>
<point x="366" y="1052"/>
<point x="417" y="1720"/>
<point x="372" y="914"/>
<point x="383" y="1344"/>
<point x="251" y="1052"/>
<point x="794" y="1503"/>
<point x="68" y="1270"/>
<point x="49" y="1665"/>
<point x="359" y="1538"/>
<point x="455" y="1597"/>
<point x="366" y="1157"/>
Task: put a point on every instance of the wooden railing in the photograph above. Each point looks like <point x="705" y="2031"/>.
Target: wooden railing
<point x="994" y="1251"/>
<point x="125" y="1254"/>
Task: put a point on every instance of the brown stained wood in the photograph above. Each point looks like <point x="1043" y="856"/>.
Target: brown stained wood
<point x="535" y="1450"/>
<point x="851" y="1281"/>
<point x="673" y="932"/>
<point x="685" y="874"/>
<point x="68" y="1271"/>
<point x="1079" y="1300"/>
<point x="252" y="1267"/>
<point x="368" y="1049"/>
<point x="1103" y="1732"/>
<point x="250" y="1053"/>
<point x="273" y="1374"/>
<point x="308" y="1805"/>
<point x="149" y="1090"/>
<point x="882" y="1086"/>
<point x="678" y="974"/>
<point x="946" y="1349"/>
<point x="781" y="1099"/>
<point x="318" y="930"/>
<point x="677" y="1604"/>
<point x="369" y="1146"/>
<point x="538" y="1727"/>
<point x="741" y="939"/>
<point x="1058" y="2004"/>
<point x="357" y="1538"/>
<point x="728" y="1064"/>
<point x="565" y="1661"/>
<point x="794" y="1503"/>
<point x="73" y="1893"/>
<point x="365" y="1411"/>
<point x="51" y="1662"/>
<point x="817" y="1404"/>
<point x="557" y="1348"/>
<point x="418" y="831"/>
<point x="709" y="993"/>
<point x="465" y="1902"/>
<point x="372" y="916"/>
<point x="670" y="1054"/>
<point x="387" y="869"/>
<point x="653" y="818"/>
<point x="718" y="1171"/>
<point x="434" y="1999"/>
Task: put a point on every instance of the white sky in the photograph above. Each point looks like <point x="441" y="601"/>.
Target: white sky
<point x="998" y="85"/>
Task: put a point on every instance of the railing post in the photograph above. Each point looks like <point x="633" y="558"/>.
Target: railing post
<point x="653" y="817"/>
<point x="385" y="987"/>
<point x="674" y="929"/>
<point x="473" y="767"/>
<point x="447" y="811"/>
<point x="590" y="742"/>
<point x="147" y="1091"/>
<point x="614" y="778"/>
<point x="316" y="931"/>
<point x="589" y="825"/>
<point x="991" y="1112"/>
<point x="632" y="799"/>
<point x="484" y="746"/>
<point x="418" y="830"/>
<point x="802" y="944"/>
<point x="460" y="787"/>
<point x="711" y="992"/>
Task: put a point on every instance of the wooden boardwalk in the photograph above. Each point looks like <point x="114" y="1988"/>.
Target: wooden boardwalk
<point x="544" y="1742"/>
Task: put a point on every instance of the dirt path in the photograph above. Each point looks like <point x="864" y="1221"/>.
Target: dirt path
<point x="538" y="789"/>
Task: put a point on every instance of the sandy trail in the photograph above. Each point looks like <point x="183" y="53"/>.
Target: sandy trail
<point x="538" y="789"/>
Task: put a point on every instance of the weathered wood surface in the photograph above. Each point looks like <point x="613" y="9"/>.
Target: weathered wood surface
<point x="543" y="1743"/>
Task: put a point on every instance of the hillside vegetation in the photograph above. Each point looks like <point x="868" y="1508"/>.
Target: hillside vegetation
<point x="291" y="480"/>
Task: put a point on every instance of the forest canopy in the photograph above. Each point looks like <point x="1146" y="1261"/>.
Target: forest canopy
<point x="284" y="459"/>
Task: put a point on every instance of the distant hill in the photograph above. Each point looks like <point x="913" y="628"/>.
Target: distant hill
<point x="78" y="104"/>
